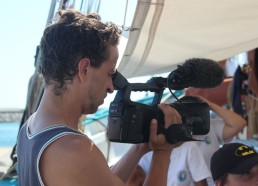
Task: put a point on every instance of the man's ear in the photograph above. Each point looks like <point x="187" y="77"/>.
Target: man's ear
<point x="83" y="67"/>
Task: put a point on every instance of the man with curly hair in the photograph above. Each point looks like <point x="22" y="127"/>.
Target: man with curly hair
<point x="78" y="59"/>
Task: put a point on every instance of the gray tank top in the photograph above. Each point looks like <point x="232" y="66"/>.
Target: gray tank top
<point x="30" y="149"/>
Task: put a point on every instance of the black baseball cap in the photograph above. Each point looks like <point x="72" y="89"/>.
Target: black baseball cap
<point x="235" y="158"/>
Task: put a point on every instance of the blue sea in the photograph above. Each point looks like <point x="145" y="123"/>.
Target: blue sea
<point x="8" y="133"/>
<point x="8" y="138"/>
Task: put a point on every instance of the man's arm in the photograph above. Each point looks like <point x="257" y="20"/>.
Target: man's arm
<point x="75" y="160"/>
<point x="125" y="166"/>
<point x="234" y="123"/>
<point x="159" y="165"/>
<point x="137" y="177"/>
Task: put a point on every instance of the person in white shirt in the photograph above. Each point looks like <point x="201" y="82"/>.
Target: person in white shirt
<point x="187" y="166"/>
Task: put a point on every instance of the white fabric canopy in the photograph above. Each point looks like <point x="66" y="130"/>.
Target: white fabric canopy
<point x="165" y="33"/>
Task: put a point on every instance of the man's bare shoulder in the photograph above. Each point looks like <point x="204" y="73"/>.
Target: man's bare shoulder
<point x="74" y="160"/>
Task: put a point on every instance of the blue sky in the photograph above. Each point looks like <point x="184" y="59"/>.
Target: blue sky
<point x="22" y="25"/>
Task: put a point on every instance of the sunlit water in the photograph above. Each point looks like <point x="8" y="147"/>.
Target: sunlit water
<point x="8" y="133"/>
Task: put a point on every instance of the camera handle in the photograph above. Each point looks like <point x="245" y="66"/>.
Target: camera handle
<point x="177" y="132"/>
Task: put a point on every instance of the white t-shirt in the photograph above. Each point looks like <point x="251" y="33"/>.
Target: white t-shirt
<point x="211" y="142"/>
<point x="186" y="165"/>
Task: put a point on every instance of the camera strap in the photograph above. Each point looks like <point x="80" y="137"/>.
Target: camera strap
<point x="177" y="132"/>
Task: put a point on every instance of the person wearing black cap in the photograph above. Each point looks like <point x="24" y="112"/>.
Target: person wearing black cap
<point x="223" y="128"/>
<point x="235" y="164"/>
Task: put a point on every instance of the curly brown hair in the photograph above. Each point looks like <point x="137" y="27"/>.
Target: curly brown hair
<point x="73" y="37"/>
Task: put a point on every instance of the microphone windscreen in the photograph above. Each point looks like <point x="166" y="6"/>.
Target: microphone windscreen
<point x="198" y="73"/>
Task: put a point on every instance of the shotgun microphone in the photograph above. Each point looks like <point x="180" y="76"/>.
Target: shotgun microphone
<point x="197" y="73"/>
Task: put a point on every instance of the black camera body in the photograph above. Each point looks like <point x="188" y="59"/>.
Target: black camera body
<point x="129" y="122"/>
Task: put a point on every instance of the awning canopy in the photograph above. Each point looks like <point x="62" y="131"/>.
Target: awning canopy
<point x="165" y="33"/>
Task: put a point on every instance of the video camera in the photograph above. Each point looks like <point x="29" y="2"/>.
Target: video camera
<point x="129" y="121"/>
